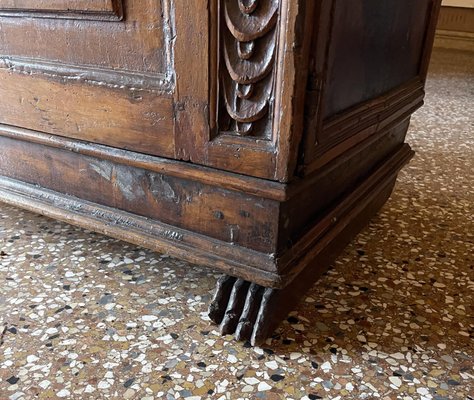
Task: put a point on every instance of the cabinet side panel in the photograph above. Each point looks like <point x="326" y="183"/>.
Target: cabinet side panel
<point x="368" y="65"/>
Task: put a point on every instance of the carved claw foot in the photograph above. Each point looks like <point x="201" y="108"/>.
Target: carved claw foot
<point x="249" y="311"/>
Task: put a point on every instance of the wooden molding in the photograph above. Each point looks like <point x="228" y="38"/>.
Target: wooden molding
<point x="112" y="78"/>
<point x="357" y="124"/>
<point x="197" y="173"/>
<point x="378" y="113"/>
<point x="338" y="218"/>
<point x="99" y="10"/>
<point x="141" y="231"/>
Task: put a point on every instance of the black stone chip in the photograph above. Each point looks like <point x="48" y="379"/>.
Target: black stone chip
<point x="129" y="382"/>
<point x="277" y="378"/>
<point x="12" y="380"/>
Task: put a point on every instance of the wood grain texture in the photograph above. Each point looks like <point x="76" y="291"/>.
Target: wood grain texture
<point x="343" y="132"/>
<point x="141" y="122"/>
<point x="141" y="231"/>
<point x="266" y="152"/>
<point x="155" y="231"/>
<point x="387" y="55"/>
<point x="175" y="80"/>
<point x="196" y="99"/>
<point x="209" y="176"/>
<point x="347" y="98"/>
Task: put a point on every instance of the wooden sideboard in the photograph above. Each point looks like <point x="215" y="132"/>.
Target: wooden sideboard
<point x="255" y="137"/>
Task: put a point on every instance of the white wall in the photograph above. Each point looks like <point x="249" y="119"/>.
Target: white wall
<point x="459" y="3"/>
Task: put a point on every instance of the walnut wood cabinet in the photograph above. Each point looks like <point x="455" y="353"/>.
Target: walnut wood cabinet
<point x="255" y="137"/>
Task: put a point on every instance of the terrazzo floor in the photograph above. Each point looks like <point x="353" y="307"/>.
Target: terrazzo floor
<point x="84" y="316"/>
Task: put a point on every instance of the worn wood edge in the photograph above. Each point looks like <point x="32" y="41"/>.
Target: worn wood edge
<point x="189" y="246"/>
<point x="385" y="104"/>
<point x="194" y="172"/>
<point x="352" y="125"/>
<point x="291" y="264"/>
<point x="363" y="137"/>
<point x="375" y="113"/>
<point x="369" y="136"/>
<point x="291" y="81"/>
<point x="95" y="75"/>
<point x="222" y="179"/>
<point x="115" y="14"/>
<point x="316" y="88"/>
<point x="429" y="38"/>
<point x="59" y="14"/>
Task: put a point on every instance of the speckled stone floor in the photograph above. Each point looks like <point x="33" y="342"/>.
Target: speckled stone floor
<point x="87" y="317"/>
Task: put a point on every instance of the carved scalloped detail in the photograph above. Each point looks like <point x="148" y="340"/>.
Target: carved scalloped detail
<point x="250" y="19"/>
<point x="249" y="46"/>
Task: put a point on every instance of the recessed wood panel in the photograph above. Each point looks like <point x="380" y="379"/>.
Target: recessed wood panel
<point x="375" y="46"/>
<point x="368" y="66"/>
<point x="80" y="9"/>
<point x="139" y="44"/>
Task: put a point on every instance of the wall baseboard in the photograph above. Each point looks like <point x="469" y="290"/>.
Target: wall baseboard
<point x="454" y="40"/>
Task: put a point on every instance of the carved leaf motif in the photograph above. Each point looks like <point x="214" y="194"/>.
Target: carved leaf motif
<point x="252" y="109"/>
<point x="249" y="43"/>
<point x="249" y="26"/>
<point x="251" y="67"/>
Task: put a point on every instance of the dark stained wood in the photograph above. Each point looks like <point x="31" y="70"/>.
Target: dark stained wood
<point x="249" y="50"/>
<point x="223" y="179"/>
<point x="219" y="302"/>
<point x="384" y="43"/>
<point x="253" y="137"/>
<point x="338" y="217"/>
<point x="376" y="71"/>
<point x="264" y="268"/>
<point x="320" y="191"/>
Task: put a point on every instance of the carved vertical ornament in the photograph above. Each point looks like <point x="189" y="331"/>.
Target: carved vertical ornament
<point x="249" y="38"/>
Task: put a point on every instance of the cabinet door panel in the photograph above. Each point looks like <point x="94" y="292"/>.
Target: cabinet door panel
<point x="77" y="69"/>
<point x="139" y="44"/>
